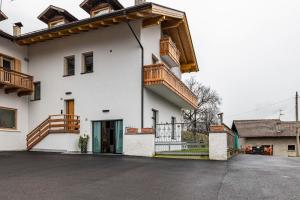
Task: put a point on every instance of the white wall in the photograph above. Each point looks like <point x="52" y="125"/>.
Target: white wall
<point x="59" y="143"/>
<point x="218" y="146"/>
<point x="139" y="145"/>
<point x="115" y="83"/>
<point x="166" y="110"/>
<point x="16" y="139"/>
<point x="150" y="38"/>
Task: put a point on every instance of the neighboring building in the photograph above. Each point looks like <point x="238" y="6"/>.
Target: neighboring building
<point x="279" y="135"/>
<point x="121" y="68"/>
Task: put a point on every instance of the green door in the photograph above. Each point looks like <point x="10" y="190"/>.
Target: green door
<point x="119" y="136"/>
<point x="96" y="137"/>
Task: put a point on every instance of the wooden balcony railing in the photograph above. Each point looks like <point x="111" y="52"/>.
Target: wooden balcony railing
<point x="169" y="50"/>
<point x="161" y="74"/>
<point x="53" y="124"/>
<point x="15" y="81"/>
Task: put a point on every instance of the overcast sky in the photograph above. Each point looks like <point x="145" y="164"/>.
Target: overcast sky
<point x="248" y="50"/>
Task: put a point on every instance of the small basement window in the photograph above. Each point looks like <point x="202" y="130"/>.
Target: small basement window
<point x="291" y="147"/>
<point x="8" y="118"/>
<point x="37" y="91"/>
<point x="88" y="62"/>
<point x="69" y="68"/>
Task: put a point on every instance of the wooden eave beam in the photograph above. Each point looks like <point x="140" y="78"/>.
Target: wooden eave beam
<point x="153" y="21"/>
<point x="24" y="93"/>
<point x="191" y="67"/>
<point x="11" y="90"/>
<point x="172" y="24"/>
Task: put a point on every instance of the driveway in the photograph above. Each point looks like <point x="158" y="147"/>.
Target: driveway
<point x="55" y="176"/>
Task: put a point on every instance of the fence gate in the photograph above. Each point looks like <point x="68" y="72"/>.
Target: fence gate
<point x="180" y="139"/>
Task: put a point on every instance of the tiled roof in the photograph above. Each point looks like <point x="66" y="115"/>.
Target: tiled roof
<point x="265" y="128"/>
<point x="6" y="35"/>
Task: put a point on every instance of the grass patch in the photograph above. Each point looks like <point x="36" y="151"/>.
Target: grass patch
<point x="196" y="150"/>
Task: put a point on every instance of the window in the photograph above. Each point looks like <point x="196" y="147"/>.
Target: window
<point x="56" y="23"/>
<point x="8" y="118"/>
<point x="101" y="11"/>
<point x="69" y="66"/>
<point x="88" y="63"/>
<point x="37" y="91"/>
<point x="291" y="147"/>
<point x="154" y="120"/>
<point x="6" y="63"/>
<point x="173" y="121"/>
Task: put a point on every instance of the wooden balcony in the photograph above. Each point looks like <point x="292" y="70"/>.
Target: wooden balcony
<point x="162" y="81"/>
<point x="13" y="81"/>
<point x="169" y="52"/>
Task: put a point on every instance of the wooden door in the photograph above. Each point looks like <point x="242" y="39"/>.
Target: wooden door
<point x="70" y="111"/>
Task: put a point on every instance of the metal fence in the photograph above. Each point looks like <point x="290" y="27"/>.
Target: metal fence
<point x="180" y="139"/>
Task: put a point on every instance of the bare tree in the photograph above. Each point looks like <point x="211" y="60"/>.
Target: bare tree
<point x="208" y="106"/>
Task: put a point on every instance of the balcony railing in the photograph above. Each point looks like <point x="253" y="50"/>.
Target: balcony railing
<point x="160" y="74"/>
<point x="169" y="51"/>
<point x="15" y="81"/>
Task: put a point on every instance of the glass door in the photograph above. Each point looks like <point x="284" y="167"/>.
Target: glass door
<point x="119" y="136"/>
<point x="96" y="137"/>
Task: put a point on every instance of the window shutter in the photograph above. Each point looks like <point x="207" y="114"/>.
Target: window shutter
<point x="17" y="65"/>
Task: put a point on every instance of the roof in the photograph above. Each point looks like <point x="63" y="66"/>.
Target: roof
<point x="53" y="11"/>
<point x="2" y="16"/>
<point x="6" y="35"/>
<point x="174" y="23"/>
<point x="265" y="128"/>
<point x="88" y="5"/>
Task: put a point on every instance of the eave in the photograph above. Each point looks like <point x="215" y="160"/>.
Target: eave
<point x="6" y="36"/>
<point x="173" y="22"/>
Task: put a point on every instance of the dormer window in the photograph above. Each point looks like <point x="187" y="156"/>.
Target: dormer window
<point x="56" y="23"/>
<point x="100" y="7"/>
<point x="101" y="11"/>
<point x="54" y="16"/>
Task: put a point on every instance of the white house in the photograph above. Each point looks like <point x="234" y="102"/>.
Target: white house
<point x="116" y="71"/>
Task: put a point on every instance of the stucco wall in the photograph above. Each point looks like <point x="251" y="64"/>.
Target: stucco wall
<point x="218" y="149"/>
<point x="15" y="139"/>
<point x="139" y="145"/>
<point x="114" y="85"/>
<point x="59" y="143"/>
<point x="280" y="145"/>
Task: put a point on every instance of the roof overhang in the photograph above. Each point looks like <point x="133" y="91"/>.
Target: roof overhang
<point x="6" y="35"/>
<point x="173" y="22"/>
<point x="2" y="16"/>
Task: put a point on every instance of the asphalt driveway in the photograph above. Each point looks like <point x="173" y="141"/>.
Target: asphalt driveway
<point x="55" y="176"/>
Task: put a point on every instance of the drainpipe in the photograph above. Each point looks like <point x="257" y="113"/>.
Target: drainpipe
<point x="142" y="72"/>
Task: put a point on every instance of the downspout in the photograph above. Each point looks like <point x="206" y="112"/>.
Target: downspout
<point x="142" y="72"/>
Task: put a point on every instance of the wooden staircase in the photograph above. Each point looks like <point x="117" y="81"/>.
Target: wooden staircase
<point x="53" y="124"/>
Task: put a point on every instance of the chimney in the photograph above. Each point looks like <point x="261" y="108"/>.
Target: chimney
<point x="17" y="29"/>
<point x="220" y="115"/>
<point x="137" y="2"/>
